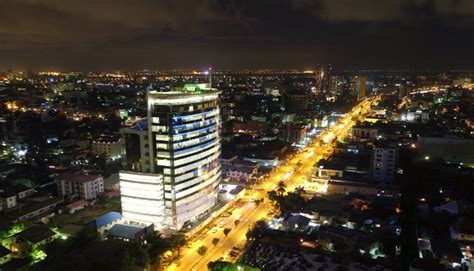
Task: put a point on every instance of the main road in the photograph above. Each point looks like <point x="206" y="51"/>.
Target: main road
<point x="295" y="171"/>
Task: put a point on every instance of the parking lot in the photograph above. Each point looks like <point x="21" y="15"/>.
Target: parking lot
<point x="272" y="257"/>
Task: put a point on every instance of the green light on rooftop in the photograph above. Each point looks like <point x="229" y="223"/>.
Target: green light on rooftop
<point x="195" y="87"/>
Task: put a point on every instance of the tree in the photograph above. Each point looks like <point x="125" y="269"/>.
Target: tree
<point x="176" y="242"/>
<point x="202" y="250"/>
<point x="272" y="196"/>
<point x="157" y="246"/>
<point x="299" y="190"/>
<point x="226" y="231"/>
<point x="138" y="253"/>
<point x="215" y="241"/>
<point x="98" y="161"/>
<point x="281" y="187"/>
<point x="86" y="237"/>
<point x="257" y="230"/>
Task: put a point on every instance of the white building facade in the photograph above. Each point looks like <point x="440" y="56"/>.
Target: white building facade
<point x="85" y="186"/>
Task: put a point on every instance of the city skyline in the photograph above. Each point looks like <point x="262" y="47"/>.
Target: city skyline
<point x="126" y="35"/>
<point x="237" y="135"/>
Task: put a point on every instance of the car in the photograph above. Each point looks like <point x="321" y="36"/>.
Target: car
<point x="226" y="214"/>
<point x="221" y="224"/>
<point x="214" y="230"/>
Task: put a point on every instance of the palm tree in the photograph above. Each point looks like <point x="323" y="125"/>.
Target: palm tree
<point x="281" y="187"/>
<point x="299" y="190"/>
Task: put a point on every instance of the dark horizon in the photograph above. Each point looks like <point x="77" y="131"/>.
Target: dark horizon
<point x="126" y="35"/>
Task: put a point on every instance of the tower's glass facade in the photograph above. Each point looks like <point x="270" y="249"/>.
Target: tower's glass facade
<point x="184" y="129"/>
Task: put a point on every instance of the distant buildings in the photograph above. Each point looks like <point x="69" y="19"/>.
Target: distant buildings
<point x="362" y="88"/>
<point x="296" y="102"/>
<point x="79" y="184"/>
<point x="457" y="94"/>
<point x="414" y="116"/>
<point x="173" y="168"/>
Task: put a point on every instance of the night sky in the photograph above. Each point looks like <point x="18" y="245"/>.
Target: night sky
<point x="228" y="34"/>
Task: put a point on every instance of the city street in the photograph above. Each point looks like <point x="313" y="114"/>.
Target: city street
<point x="295" y="171"/>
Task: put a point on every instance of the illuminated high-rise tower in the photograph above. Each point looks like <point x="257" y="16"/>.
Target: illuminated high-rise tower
<point x="183" y="149"/>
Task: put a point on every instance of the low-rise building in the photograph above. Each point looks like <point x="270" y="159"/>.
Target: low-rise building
<point x="106" y="221"/>
<point x="37" y="209"/>
<point x="10" y="196"/>
<point x="112" y="183"/>
<point x="7" y="201"/>
<point x="292" y="133"/>
<point x="76" y="206"/>
<point x="295" y="223"/>
<point x="241" y="171"/>
<point x="128" y="232"/>
<point x="30" y="239"/>
<point x="85" y="186"/>
<point x="109" y="145"/>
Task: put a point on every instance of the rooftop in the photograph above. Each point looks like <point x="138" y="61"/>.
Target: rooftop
<point x="38" y="205"/>
<point x="77" y="204"/>
<point x="106" y="219"/>
<point x="36" y="234"/>
<point x="188" y="90"/>
<point x="300" y="219"/>
<point x="77" y="177"/>
<point x="125" y="231"/>
<point x="108" y="138"/>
